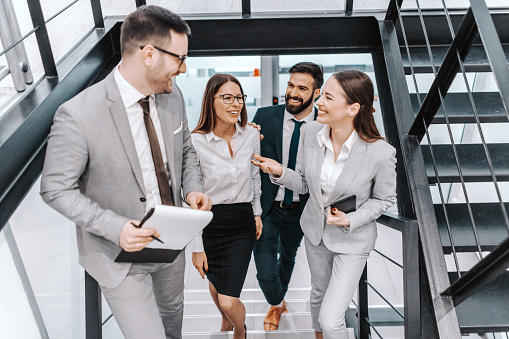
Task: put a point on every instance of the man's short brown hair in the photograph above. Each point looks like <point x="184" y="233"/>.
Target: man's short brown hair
<point x="149" y="25"/>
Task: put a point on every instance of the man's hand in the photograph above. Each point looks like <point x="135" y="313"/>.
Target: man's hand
<point x="200" y="262"/>
<point x="134" y="239"/>
<point x="259" y="227"/>
<point x="268" y="165"/>
<point x="257" y="127"/>
<point x="199" y="201"/>
<point x="337" y="217"/>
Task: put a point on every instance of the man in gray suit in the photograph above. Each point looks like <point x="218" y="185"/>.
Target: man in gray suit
<point x="116" y="150"/>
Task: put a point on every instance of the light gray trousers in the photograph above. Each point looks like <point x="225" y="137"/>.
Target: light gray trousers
<point x="334" y="279"/>
<point x="149" y="303"/>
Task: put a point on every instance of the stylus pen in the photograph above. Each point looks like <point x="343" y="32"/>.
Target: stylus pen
<point x="145" y="218"/>
<point x="152" y="236"/>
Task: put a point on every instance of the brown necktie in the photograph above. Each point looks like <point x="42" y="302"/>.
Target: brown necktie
<point x="162" y="177"/>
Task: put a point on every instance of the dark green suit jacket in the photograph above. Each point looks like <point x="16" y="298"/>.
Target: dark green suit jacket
<point x="271" y="121"/>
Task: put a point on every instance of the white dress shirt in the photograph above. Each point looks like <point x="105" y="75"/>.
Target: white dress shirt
<point x="227" y="179"/>
<point x="130" y="97"/>
<point x="331" y="169"/>
<point x="288" y="127"/>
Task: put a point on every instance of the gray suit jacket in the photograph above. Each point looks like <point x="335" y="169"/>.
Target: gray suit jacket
<point x="92" y="174"/>
<point x="369" y="173"/>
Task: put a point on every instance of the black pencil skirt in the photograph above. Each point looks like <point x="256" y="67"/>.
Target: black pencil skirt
<point x="228" y="241"/>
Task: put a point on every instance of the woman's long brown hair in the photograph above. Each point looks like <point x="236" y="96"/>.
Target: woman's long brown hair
<point x="207" y="120"/>
<point x="359" y="89"/>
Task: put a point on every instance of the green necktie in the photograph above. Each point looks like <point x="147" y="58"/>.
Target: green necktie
<point x="292" y="157"/>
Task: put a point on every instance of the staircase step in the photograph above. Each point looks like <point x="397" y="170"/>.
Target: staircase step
<point x="489" y="105"/>
<point x="476" y="60"/>
<point x="473" y="162"/>
<point x="489" y="222"/>
<point x="252" y="306"/>
<point x="280" y="334"/>
<point x="486" y="310"/>
<point x="294" y="293"/>
<point x="254" y="321"/>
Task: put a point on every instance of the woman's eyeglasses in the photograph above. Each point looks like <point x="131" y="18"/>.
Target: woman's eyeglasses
<point x="228" y="98"/>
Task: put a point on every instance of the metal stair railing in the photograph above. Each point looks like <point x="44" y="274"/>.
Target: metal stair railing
<point x="453" y="64"/>
<point x="437" y="314"/>
<point x="411" y="282"/>
<point x="477" y="20"/>
<point x="15" y="53"/>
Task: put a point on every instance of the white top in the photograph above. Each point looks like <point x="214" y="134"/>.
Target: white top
<point x="130" y="97"/>
<point x="227" y="179"/>
<point x="288" y="127"/>
<point x="331" y="169"/>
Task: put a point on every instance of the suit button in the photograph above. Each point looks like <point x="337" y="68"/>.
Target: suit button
<point x="143" y="199"/>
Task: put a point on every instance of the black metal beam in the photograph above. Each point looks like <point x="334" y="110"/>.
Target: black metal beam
<point x="484" y="272"/>
<point x="93" y="309"/>
<point x="246" y="8"/>
<point x="362" y="312"/>
<point x="348" y="7"/>
<point x="448" y="71"/>
<point x="98" y="13"/>
<point x="493" y="48"/>
<point x="282" y="36"/>
<point x="411" y="281"/>
<point x="41" y="34"/>
<point x="140" y="3"/>
<point x="392" y="11"/>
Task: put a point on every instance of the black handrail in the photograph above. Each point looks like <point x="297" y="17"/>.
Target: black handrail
<point x="450" y="67"/>
<point x="484" y="272"/>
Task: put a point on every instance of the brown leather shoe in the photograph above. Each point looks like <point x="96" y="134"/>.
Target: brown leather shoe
<point x="271" y="321"/>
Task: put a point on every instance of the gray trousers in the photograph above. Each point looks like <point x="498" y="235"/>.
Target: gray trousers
<point x="334" y="279"/>
<point x="149" y="303"/>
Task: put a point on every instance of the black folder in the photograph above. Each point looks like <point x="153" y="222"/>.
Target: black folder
<point x="148" y="255"/>
<point x="345" y="205"/>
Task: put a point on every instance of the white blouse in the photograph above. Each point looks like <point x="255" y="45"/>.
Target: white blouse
<point x="331" y="169"/>
<point x="227" y="179"/>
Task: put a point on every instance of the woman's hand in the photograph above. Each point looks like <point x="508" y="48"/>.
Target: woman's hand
<point x="200" y="262"/>
<point x="268" y="165"/>
<point x="337" y="217"/>
<point x="259" y="227"/>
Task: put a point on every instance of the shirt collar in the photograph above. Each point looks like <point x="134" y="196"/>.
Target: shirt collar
<point x="323" y="137"/>
<point x="238" y="130"/>
<point x="128" y="93"/>
<point x="308" y="118"/>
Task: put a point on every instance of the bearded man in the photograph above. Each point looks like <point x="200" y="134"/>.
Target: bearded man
<point x="282" y="126"/>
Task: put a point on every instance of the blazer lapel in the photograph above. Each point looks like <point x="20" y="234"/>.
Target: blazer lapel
<point x="278" y="131"/>
<point x="352" y="166"/>
<point x="167" y="125"/>
<point x="119" y="115"/>
<point x="316" y="164"/>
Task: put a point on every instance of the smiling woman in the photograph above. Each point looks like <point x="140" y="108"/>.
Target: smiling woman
<point x="225" y="146"/>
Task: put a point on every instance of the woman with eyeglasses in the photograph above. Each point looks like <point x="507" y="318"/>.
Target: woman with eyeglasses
<point x="225" y="146"/>
<point x="342" y="155"/>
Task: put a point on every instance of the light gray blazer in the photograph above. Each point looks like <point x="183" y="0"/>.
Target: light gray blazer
<point x="369" y="173"/>
<point x="92" y="174"/>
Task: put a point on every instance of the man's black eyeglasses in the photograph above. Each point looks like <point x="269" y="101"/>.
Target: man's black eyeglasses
<point x="182" y="58"/>
<point x="229" y="99"/>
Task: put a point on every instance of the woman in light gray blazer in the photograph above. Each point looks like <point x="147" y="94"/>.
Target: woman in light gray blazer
<point x="341" y="154"/>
